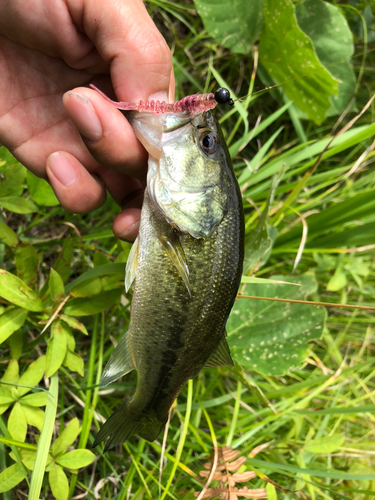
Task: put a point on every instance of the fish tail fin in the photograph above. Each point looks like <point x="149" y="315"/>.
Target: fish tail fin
<point x="125" y="422"/>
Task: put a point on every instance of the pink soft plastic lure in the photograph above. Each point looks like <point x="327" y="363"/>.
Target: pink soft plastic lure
<point x="194" y="104"/>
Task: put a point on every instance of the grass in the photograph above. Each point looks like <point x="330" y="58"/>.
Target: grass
<point x="315" y="424"/>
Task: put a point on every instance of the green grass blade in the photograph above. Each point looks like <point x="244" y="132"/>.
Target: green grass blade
<point x="45" y="439"/>
<point x="182" y="438"/>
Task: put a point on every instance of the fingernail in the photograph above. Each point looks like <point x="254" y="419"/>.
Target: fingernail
<point x="62" y="169"/>
<point x="159" y="96"/>
<point x="85" y="118"/>
<point x="133" y="228"/>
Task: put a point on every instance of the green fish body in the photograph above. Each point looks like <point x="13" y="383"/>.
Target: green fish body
<point x="186" y="267"/>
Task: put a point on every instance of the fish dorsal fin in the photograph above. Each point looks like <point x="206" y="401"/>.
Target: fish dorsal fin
<point x="221" y="355"/>
<point x="176" y="253"/>
<point x="120" y="362"/>
<point x="131" y="265"/>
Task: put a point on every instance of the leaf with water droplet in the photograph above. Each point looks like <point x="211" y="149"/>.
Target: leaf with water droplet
<point x="235" y="24"/>
<point x="273" y="337"/>
<point x="288" y="56"/>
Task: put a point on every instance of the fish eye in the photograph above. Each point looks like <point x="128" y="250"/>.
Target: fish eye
<point x="209" y="142"/>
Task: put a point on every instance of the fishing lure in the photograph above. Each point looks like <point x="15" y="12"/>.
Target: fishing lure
<point x="194" y="104"/>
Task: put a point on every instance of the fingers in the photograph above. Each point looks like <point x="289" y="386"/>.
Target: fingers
<point x="126" y="37"/>
<point x="126" y="224"/>
<point x="106" y="132"/>
<point x="76" y="189"/>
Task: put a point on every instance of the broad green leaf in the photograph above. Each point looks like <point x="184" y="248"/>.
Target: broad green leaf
<point x="70" y="340"/>
<point x="235" y="24"/>
<point x="66" y="438"/>
<point x="338" y="281"/>
<point x="38" y="398"/>
<point x="18" y="205"/>
<point x="89" y="288"/>
<point x="56" y="348"/>
<point x="289" y="58"/>
<point x="327" y="444"/>
<point x="11" y="375"/>
<point x="16" y="291"/>
<point x="12" y="176"/>
<point x="8" y="236"/>
<point x="100" y="271"/>
<point x="17" y="423"/>
<point x="15" y="343"/>
<point x="56" y="286"/>
<point x="4" y="407"/>
<point x="10" y="477"/>
<point x="5" y="397"/>
<point x="34" y="416"/>
<point x="113" y="281"/>
<point x="271" y="492"/>
<point x="93" y="305"/>
<point x="10" y="321"/>
<point x="74" y="323"/>
<point x="27" y="264"/>
<point x="332" y="39"/>
<point x="74" y="362"/>
<point x="27" y="457"/>
<point x="100" y="259"/>
<point x="32" y="376"/>
<point x="63" y="263"/>
<point x="76" y="459"/>
<point x="272" y="337"/>
<point x="40" y="191"/>
<point x="59" y="483"/>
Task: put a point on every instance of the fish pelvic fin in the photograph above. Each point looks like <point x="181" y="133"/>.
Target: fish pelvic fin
<point x="221" y="355"/>
<point x="120" y="362"/>
<point x="176" y="253"/>
<point x="125" y="422"/>
<point x="131" y="265"/>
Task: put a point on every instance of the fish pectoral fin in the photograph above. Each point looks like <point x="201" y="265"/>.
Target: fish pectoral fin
<point x="221" y="355"/>
<point x="176" y="253"/>
<point x="131" y="264"/>
<point x="120" y="362"/>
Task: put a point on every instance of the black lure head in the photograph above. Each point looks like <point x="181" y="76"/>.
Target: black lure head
<point x="222" y="96"/>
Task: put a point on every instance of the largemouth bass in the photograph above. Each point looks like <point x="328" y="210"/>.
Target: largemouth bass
<point x="186" y="267"/>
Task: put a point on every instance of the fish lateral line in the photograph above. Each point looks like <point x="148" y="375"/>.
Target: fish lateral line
<point x="193" y="104"/>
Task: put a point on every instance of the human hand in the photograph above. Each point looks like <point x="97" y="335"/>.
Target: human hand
<point x="48" y="47"/>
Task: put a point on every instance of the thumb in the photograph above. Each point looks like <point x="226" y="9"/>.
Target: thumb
<point x="126" y="37"/>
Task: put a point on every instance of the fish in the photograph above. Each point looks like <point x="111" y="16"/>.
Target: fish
<point x="184" y="267"/>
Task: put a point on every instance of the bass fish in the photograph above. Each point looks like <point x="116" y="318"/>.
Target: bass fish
<point x="185" y="265"/>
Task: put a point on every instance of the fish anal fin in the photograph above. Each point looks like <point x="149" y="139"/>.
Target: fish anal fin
<point x="120" y="362"/>
<point x="221" y="355"/>
<point x="131" y="264"/>
<point x="176" y="253"/>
